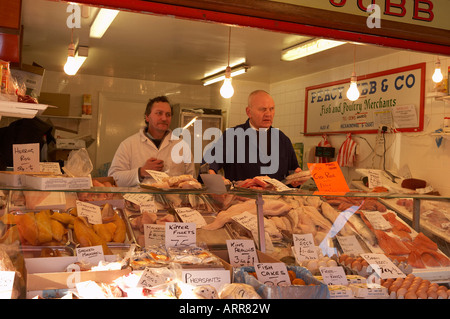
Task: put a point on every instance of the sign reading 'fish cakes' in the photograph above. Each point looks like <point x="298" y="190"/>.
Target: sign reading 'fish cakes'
<point x="272" y="274"/>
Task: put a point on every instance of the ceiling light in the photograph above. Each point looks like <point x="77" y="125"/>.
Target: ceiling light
<point x="102" y="22"/>
<point x="307" y="48"/>
<point x="353" y="92"/>
<point x="75" y="60"/>
<point x="227" y="90"/>
<point x="220" y="76"/>
<point x="437" y="76"/>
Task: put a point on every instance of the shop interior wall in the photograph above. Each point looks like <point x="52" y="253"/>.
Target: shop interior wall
<point x="417" y="150"/>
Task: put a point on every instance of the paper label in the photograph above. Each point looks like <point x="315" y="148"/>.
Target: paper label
<point x="149" y="207"/>
<point x="304" y="247"/>
<point x="157" y="175"/>
<point x="242" y="252"/>
<point x="92" y="212"/>
<point x="6" y="284"/>
<point x="154" y="234"/>
<point x="152" y="277"/>
<point x="214" y="183"/>
<point x="334" y="276"/>
<point x="50" y="167"/>
<point x="328" y="177"/>
<point x="272" y="274"/>
<point x="383" y="266"/>
<point x="26" y="157"/>
<point x="377" y="220"/>
<point x="279" y="186"/>
<point x="201" y="277"/>
<point x="374" y="179"/>
<point x="92" y="255"/>
<point x="138" y="198"/>
<point x="180" y="234"/>
<point x="249" y="221"/>
<point x="350" y="245"/>
<point x="189" y="215"/>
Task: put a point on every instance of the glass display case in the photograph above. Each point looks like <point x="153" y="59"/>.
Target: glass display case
<point x="412" y="232"/>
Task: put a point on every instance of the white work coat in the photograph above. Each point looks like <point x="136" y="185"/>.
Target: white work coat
<point x="135" y="150"/>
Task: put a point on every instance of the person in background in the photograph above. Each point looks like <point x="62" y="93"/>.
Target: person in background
<point x="149" y="149"/>
<point x="260" y="112"/>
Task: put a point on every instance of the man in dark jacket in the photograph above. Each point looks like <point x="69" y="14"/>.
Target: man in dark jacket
<point x="254" y="148"/>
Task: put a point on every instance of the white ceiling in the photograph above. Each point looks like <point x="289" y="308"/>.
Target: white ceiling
<point x="168" y="49"/>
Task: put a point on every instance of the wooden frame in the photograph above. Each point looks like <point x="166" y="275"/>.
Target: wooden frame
<point x="294" y="19"/>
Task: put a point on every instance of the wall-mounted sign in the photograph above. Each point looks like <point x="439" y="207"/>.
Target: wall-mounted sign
<point x="393" y="98"/>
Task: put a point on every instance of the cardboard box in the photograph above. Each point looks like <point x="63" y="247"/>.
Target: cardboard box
<point x="58" y="155"/>
<point x="57" y="183"/>
<point x="32" y="76"/>
<point x="15" y="179"/>
<point x="70" y="143"/>
<point x="46" y="276"/>
<point x="61" y="101"/>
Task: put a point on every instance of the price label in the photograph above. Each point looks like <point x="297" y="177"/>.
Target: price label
<point x="350" y="245"/>
<point x="180" y="234"/>
<point x="304" y="247"/>
<point x="138" y="198"/>
<point x="189" y="215"/>
<point x="334" y="276"/>
<point x="374" y="179"/>
<point x="242" y="252"/>
<point x="157" y="175"/>
<point x="92" y="254"/>
<point x="201" y="277"/>
<point x="328" y="177"/>
<point x="249" y="221"/>
<point x="154" y="234"/>
<point x="6" y="284"/>
<point x="383" y="266"/>
<point x="152" y="277"/>
<point x="377" y="220"/>
<point x="272" y="274"/>
<point x="149" y="207"/>
<point x="279" y="186"/>
<point x="92" y="212"/>
<point x="50" y="167"/>
<point x="26" y="157"/>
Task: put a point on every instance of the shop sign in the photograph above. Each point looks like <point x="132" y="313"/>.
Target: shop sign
<point x="393" y="98"/>
<point x="430" y="13"/>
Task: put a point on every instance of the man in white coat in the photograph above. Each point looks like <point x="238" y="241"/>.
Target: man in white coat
<point x="150" y="148"/>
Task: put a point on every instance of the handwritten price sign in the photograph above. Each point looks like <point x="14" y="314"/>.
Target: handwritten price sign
<point x="328" y="177"/>
<point x="383" y="266"/>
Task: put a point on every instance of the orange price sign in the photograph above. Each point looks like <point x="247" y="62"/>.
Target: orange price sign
<point x="328" y="177"/>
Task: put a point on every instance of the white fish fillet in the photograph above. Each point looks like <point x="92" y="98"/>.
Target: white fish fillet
<point x="270" y="208"/>
<point x="318" y="218"/>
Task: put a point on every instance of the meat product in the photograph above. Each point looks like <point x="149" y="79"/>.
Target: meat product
<point x="270" y="207"/>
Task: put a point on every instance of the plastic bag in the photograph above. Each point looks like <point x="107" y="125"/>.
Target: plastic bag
<point x="78" y="164"/>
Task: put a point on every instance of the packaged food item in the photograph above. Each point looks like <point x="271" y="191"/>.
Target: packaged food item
<point x="4" y="76"/>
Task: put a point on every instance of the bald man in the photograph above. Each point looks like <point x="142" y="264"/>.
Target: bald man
<point x="254" y="148"/>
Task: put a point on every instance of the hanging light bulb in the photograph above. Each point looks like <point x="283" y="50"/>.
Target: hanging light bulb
<point x="70" y="67"/>
<point x="227" y="90"/>
<point x="437" y="76"/>
<point x="353" y="92"/>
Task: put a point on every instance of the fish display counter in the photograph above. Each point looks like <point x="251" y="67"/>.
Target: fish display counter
<point x="342" y="232"/>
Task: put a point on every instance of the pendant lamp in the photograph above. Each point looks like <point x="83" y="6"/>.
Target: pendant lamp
<point x="227" y="90"/>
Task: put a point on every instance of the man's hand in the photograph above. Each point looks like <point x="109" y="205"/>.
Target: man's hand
<point x="298" y="183"/>
<point x="153" y="164"/>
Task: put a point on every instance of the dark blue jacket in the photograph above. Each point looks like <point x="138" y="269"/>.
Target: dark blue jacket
<point x="235" y="171"/>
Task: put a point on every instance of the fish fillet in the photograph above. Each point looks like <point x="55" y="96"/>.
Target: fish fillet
<point x="270" y="208"/>
<point x="362" y="229"/>
<point x="317" y="218"/>
<point x="332" y="214"/>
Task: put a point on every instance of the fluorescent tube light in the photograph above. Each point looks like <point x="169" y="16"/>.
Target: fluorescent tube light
<point x="102" y="22"/>
<point x="239" y="69"/>
<point x="307" y="48"/>
<point x="75" y="62"/>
